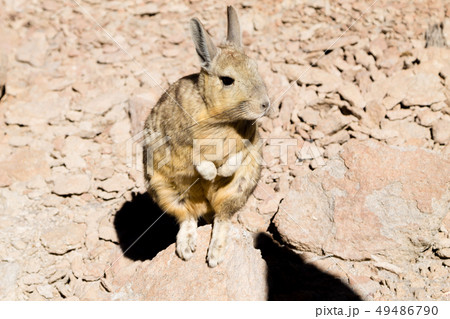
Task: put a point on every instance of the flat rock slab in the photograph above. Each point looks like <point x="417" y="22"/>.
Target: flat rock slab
<point x="242" y="276"/>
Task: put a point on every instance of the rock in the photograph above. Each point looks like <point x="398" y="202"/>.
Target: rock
<point x="309" y="115"/>
<point x="104" y="102"/>
<point x="88" y="271"/>
<point x="9" y="273"/>
<point x="332" y="150"/>
<point x="149" y="9"/>
<point x="19" y="141"/>
<point x="376" y="92"/>
<point x="106" y="232"/>
<point x="339" y="138"/>
<point x="326" y="81"/>
<point x="389" y="267"/>
<point x="113" y="57"/>
<point x="406" y="129"/>
<point x="377" y="47"/>
<point x="76" y="145"/>
<point x="331" y="44"/>
<point x="45" y="291"/>
<point x="23" y="165"/>
<point x="264" y="192"/>
<point x="333" y="122"/>
<point x="383" y="135"/>
<point x="351" y="93"/>
<point x="390" y="102"/>
<point x="427" y="117"/>
<point x="375" y="112"/>
<point x="63" y="239"/>
<point x="389" y="59"/>
<point x="171" y="52"/>
<point x="32" y="279"/>
<point x="434" y="36"/>
<point x="249" y="216"/>
<point x="5" y="180"/>
<point x="372" y="200"/>
<point x="46" y="109"/>
<point x="443" y="253"/>
<point x="88" y="130"/>
<point x="416" y="89"/>
<point x="74" y="162"/>
<point x="140" y="105"/>
<point x="446" y="30"/>
<point x="71" y="184"/>
<point x="120" y="131"/>
<point x="446" y="222"/>
<point x="270" y="207"/>
<point x="317" y="135"/>
<point x="308" y="34"/>
<point x="34" y="51"/>
<point x="398" y="114"/>
<point x="364" y="59"/>
<point x="242" y="275"/>
<point x="253" y="221"/>
<point x="293" y="71"/>
<point x="443" y="242"/>
<point x="117" y="183"/>
<point x="441" y="131"/>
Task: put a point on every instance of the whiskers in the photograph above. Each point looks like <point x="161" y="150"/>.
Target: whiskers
<point x="237" y="113"/>
<point x="263" y="114"/>
<point x="231" y="115"/>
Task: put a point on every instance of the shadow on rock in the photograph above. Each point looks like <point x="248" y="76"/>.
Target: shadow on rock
<point x="290" y="278"/>
<point x="141" y="229"/>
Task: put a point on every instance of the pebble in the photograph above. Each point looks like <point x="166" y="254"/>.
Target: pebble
<point x="64" y="238"/>
<point x="441" y="131"/>
<point x="71" y="184"/>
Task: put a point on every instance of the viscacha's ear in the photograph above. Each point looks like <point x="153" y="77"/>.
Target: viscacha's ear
<point x="234" y="29"/>
<point x="204" y="46"/>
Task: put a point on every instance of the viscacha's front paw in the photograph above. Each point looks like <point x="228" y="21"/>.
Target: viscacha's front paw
<point x="207" y="170"/>
<point x="231" y="165"/>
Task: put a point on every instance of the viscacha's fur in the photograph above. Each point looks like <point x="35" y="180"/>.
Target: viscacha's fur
<point x="222" y="103"/>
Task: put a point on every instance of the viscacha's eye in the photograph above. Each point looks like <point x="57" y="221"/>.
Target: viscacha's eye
<point x="226" y="80"/>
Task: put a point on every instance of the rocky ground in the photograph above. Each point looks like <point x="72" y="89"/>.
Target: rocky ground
<point x="359" y="209"/>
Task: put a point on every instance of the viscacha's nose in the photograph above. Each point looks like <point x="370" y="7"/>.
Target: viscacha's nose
<point x="265" y="104"/>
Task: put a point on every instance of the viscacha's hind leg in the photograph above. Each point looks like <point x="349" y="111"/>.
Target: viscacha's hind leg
<point x="186" y="204"/>
<point x="219" y="240"/>
<point x="227" y="200"/>
<point x="187" y="238"/>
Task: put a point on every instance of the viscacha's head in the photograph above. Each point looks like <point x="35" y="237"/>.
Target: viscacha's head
<point x="229" y="80"/>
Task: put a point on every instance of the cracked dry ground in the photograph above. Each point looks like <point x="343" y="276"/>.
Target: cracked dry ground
<point x="369" y="222"/>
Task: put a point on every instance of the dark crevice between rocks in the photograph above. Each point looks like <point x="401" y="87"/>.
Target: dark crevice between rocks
<point x="2" y="91"/>
<point x="290" y="278"/>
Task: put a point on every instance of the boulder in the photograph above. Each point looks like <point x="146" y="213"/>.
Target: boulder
<point x="371" y="200"/>
<point x="242" y="276"/>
